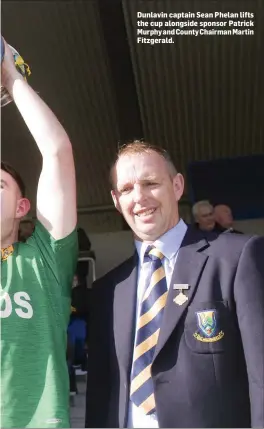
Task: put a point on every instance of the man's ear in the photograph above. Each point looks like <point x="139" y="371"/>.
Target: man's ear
<point x="178" y="185"/>
<point x="115" y="200"/>
<point x="23" y="207"/>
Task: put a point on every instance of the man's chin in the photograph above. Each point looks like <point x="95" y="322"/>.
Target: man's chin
<point x="146" y="234"/>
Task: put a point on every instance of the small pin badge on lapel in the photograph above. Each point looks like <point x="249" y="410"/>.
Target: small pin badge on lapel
<point x="181" y="298"/>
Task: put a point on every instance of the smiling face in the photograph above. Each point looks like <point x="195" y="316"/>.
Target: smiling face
<point x="13" y="208"/>
<point x="147" y="194"/>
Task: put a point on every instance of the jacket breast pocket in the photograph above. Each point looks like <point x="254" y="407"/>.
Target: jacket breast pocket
<point x="208" y="327"/>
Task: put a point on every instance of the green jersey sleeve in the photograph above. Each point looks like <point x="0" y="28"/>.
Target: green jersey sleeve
<point x="59" y="255"/>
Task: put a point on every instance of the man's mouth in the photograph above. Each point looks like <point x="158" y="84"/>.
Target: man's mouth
<point x="143" y="213"/>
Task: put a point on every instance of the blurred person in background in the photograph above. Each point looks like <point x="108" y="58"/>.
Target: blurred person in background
<point x="224" y="217"/>
<point x="203" y="213"/>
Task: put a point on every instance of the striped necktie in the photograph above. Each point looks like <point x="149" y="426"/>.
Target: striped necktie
<point x="148" y="328"/>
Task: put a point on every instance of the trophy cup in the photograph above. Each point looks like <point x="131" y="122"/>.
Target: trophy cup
<point x="21" y="66"/>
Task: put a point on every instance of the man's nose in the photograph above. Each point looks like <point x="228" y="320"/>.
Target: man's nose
<point x="138" y="193"/>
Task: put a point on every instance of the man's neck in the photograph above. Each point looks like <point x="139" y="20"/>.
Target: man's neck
<point x="8" y="241"/>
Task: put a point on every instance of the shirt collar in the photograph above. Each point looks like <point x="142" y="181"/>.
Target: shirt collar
<point x="169" y="243"/>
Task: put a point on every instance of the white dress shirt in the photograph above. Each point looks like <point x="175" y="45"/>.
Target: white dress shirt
<point x="169" y="245"/>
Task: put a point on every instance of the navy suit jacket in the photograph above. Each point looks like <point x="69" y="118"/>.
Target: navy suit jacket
<point x="197" y="383"/>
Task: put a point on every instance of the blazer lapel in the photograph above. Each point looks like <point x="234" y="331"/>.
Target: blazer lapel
<point x="124" y="313"/>
<point x="188" y="267"/>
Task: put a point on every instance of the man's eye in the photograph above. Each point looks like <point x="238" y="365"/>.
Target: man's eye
<point x="125" y="190"/>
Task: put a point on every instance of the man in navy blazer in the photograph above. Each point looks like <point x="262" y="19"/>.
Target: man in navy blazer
<point x="208" y="363"/>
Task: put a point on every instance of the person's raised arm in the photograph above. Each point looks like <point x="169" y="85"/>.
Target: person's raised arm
<point x="56" y="195"/>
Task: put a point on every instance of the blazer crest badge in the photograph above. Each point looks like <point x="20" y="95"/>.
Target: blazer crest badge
<point x="208" y="327"/>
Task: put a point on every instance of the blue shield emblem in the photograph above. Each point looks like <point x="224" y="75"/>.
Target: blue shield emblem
<point x="207" y="322"/>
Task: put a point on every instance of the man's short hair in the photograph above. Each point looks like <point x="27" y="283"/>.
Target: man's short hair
<point x="196" y="207"/>
<point x="16" y="176"/>
<point x="138" y="147"/>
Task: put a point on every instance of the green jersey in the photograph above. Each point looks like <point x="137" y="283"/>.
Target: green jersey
<point x="35" y="296"/>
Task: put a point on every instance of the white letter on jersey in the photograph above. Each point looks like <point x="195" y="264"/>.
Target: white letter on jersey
<point x="8" y="305"/>
<point x="19" y="301"/>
